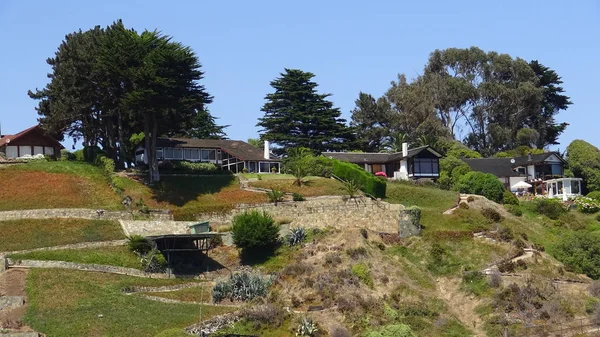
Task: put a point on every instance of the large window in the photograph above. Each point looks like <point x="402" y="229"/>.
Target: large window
<point x="574" y="187"/>
<point x="168" y="153"/>
<point x="159" y="153"/>
<point x="207" y="155"/>
<point x="264" y="167"/>
<point x="177" y="153"/>
<point x="556" y="169"/>
<point x="425" y="166"/>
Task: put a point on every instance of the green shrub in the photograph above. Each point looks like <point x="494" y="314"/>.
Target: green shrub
<point x="307" y="328"/>
<point x="241" y="287"/>
<point x="297" y="197"/>
<point x="475" y="282"/>
<point x="78" y="155"/>
<point x="275" y="196"/>
<point x="154" y="262"/>
<point x="451" y="169"/>
<point x="484" y="184"/>
<point x="508" y="198"/>
<point x="253" y="230"/>
<point x="584" y="162"/>
<point x="580" y="253"/>
<point x="106" y="164"/>
<point x="139" y="244"/>
<point x="594" y="195"/>
<point x="186" y="166"/>
<point x="395" y="330"/>
<point x="363" y="273"/>
<point x="514" y="210"/>
<point x="551" y="208"/>
<point x="66" y="155"/>
<point x="491" y="214"/>
<point x="587" y="205"/>
<point x="367" y="182"/>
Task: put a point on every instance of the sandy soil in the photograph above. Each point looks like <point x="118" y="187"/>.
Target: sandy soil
<point x="12" y="283"/>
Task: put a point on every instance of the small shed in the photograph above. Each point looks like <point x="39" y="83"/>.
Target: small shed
<point x="194" y="247"/>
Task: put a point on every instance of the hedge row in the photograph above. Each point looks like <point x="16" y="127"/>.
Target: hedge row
<point x="368" y="182"/>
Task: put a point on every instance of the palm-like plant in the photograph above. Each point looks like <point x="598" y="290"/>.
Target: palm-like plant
<point x="394" y="143"/>
<point x="352" y="188"/>
<point x="275" y="196"/>
<point x="298" y="163"/>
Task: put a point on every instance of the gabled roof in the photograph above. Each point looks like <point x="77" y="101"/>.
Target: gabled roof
<point x="6" y="139"/>
<point x="236" y="148"/>
<point x="377" y="158"/>
<point x="500" y="167"/>
<point x="536" y="159"/>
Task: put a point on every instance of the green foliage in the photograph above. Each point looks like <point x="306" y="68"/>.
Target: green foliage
<point x="395" y="330"/>
<point x="475" y="283"/>
<point x="297" y="236"/>
<point x="519" y="151"/>
<point x="362" y="271"/>
<point x="371" y="119"/>
<point x="351" y="188"/>
<point x="65" y="155"/>
<point x="551" y="208"/>
<point x="275" y="196"/>
<point x="297" y="116"/>
<point x="78" y="154"/>
<point x="297" y="197"/>
<point x="299" y="163"/>
<point x="196" y="168"/>
<point x="508" y="198"/>
<point x="253" y="230"/>
<point x="154" y="262"/>
<point x="368" y="182"/>
<point x="139" y="244"/>
<point x="594" y="195"/>
<point x="584" y="162"/>
<point x="484" y="184"/>
<point x="580" y="252"/>
<point x="451" y="169"/>
<point x="241" y="287"/>
<point x="307" y="328"/>
<point x="514" y="210"/>
<point x="587" y="205"/>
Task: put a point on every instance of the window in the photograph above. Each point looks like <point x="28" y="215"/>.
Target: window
<point x="195" y="154"/>
<point x="252" y="166"/>
<point x="521" y="170"/>
<point x="575" y="187"/>
<point x="38" y="150"/>
<point x="177" y="153"/>
<point x="263" y="167"/>
<point x="168" y="153"/>
<point x="159" y="153"/>
<point x="274" y="166"/>
<point x="560" y="187"/>
<point x="553" y="189"/>
<point x="556" y="169"/>
<point x="187" y="154"/>
<point x="24" y="150"/>
<point x="49" y="150"/>
<point x="425" y="166"/>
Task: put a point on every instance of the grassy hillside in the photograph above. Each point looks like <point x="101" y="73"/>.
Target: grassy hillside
<point x="119" y="256"/>
<point x="55" y="184"/>
<point x="37" y="233"/>
<point x="314" y="186"/>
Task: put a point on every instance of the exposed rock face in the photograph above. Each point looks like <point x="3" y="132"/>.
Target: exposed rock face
<point x="410" y="222"/>
<point x="213" y="325"/>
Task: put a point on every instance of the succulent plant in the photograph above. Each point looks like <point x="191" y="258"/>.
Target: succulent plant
<point x="307" y="328"/>
<point x="297" y="236"/>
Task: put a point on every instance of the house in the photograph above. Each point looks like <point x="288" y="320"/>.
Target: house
<point x="232" y="155"/>
<point x="545" y="172"/>
<point x="418" y="163"/>
<point x="31" y="142"/>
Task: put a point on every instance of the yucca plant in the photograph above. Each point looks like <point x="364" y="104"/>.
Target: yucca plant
<point x="275" y="196"/>
<point x="352" y="188"/>
<point x="297" y="236"/>
<point x="307" y="328"/>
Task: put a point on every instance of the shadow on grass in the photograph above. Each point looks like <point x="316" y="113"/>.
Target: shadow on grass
<point x="258" y="256"/>
<point x="192" y="263"/>
<point x="180" y="190"/>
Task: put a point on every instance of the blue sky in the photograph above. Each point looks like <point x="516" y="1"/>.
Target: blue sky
<point x="351" y="46"/>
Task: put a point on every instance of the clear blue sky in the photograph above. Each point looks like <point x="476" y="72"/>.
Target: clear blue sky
<point x="351" y="46"/>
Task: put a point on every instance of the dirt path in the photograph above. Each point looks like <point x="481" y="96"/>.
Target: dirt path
<point x="12" y="283"/>
<point x="460" y="304"/>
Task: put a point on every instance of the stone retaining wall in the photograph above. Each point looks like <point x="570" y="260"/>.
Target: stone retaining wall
<point x="21" y="334"/>
<point x="11" y="302"/>
<point x="140" y="289"/>
<point x="324" y="212"/>
<point x="79" y="213"/>
<point x="72" y="246"/>
<point x="82" y="266"/>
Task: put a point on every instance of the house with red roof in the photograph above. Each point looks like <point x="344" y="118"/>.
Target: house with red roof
<point x="30" y="141"/>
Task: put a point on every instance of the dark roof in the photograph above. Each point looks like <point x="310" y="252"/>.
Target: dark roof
<point x="536" y="158"/>
<point x="6" y="139"/>
<point x="376" y="158"/>
<point x="500" y="167"/>
<point x="236" y="148"/>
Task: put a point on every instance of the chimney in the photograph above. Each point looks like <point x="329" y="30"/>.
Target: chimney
<point x="267" y="154"/>
<point x="529" y="157"/>
<point x="405" y="150"/>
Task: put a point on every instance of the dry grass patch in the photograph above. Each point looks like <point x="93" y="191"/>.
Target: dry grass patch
<point x="119" y="256"/>
<point x="314" y="186"/>
<point x="195" y="294"/>
<point x="36" y="233"/>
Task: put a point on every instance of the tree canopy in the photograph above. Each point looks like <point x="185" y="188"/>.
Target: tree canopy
<point x="584" y="162"/>
<point x="297" y="116"/>
<point x="109" y="84"/>
<point x="489" y="101"/>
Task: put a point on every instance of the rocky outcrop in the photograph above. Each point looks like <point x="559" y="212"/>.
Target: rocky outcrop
<point x="410" y="222"/>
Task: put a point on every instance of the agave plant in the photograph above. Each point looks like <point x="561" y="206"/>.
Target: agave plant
<point x="352" y="188"/>
<point x="275" y="196"/>
<point x="307" y="328"/>
<point x="297" y="236"/>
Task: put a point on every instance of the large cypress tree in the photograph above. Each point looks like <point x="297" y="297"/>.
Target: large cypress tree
<point x="297" y="116"/>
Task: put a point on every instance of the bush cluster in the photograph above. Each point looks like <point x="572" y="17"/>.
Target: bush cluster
<point x="484" y="184"/>
<point x="587" y="205"/>
<point x="297" y="197"/>
<point x="367" y="182"/>
<point x="578" y="251"/>
<point x="241" y="287"/>
<point x="491" y="214"/>
<point x="509" y="199"/>
<point x="551" y="208"/>
<point x="253" y="229"/>
<point x="514" y="210"/>
<point x="594" y="195"/>
<point x="363" y="273"/>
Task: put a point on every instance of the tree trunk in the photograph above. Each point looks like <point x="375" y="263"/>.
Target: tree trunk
<point x="154" y="167"/>
<point x="147" y="142"/>
<point x="122" y="151"/>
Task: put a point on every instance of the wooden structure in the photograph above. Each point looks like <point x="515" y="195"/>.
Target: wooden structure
<point x="195" y="246"/>
<point x="31" y="142"/>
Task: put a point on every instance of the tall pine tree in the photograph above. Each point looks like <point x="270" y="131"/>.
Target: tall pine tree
<point x="297" y="116"/>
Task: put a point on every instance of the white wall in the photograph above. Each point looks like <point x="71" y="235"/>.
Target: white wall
<point x="11" y="152"/>
<point x="531" y="171"/>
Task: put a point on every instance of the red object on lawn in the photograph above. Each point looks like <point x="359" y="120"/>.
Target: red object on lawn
<point x="381" y="174"/>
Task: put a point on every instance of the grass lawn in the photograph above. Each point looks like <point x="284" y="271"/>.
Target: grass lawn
<point x="315" y="186"/>
<point x="195" y="294"/>
<point x="119" y="256"/>
<point x="58" y="184"/>
<point x="36" y="233"/>
<point x="267" y="176"/>
<point x="67" y="303"/>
